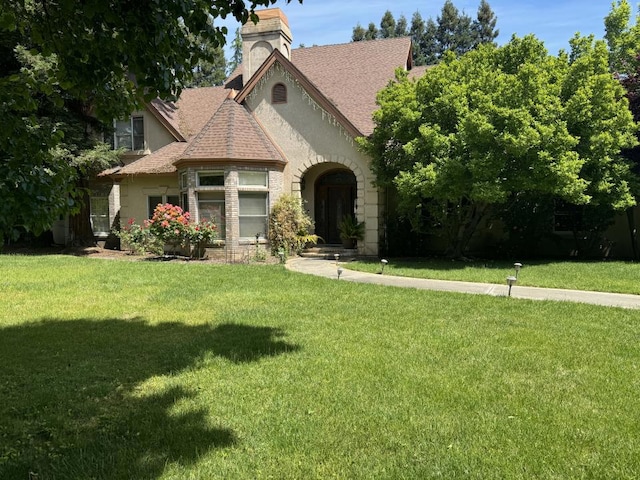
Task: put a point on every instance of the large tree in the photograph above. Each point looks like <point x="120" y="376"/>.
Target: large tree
<point x="478" y="130"/>
<point x="107" y="56"/>
<point x="451" y="31"/>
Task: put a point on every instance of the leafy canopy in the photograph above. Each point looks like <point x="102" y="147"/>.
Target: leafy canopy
<point x="104" y="58"/>
<point x="476" y="130"/>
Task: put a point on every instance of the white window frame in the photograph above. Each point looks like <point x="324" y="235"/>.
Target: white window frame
<point x="132" y="134"/>
<point x="221" y="224"/>
<point x="104" y="200"/>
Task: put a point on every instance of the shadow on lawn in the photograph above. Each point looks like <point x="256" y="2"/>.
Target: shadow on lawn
<point x="71" y="404"/>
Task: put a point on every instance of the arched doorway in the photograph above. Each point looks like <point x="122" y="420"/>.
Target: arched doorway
<point x="335" y="197"/>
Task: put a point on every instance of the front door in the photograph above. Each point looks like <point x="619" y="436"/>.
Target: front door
<point x="335" y="196"/>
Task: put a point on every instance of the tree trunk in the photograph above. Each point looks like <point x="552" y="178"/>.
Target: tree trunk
<point x="476" y="213"/>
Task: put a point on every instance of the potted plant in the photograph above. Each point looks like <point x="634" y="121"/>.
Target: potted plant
<point x="350" y="231"/>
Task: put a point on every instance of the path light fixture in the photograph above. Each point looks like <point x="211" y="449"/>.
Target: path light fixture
<point x="511" y="281"/>
<point x="383" y="264"/>
<point x="517" y="267"/>
<point x="281" y="255"/>
<point x="340" y="270"/>
<point x="336" y="256"/>
<point x="257" y="238"/>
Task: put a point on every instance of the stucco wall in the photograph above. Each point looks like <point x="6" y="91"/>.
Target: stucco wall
<point x="156" y="136"/>
<point x="309" y="137"/>
<point x="135" y="190"/>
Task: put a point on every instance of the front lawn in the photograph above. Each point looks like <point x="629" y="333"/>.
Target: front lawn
<point x="605" y="276"/>
<point x="162" y="370"/>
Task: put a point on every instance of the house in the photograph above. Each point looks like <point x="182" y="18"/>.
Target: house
<point x="285" y="122"/>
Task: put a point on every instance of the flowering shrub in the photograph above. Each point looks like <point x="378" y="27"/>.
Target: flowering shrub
<point x="200" y="234"/>
<point x="289" y="227"/>
<point x="138" y="239"/>
<point x="170" y="224"/>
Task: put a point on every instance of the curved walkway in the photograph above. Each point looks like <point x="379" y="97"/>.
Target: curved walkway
<point x="328" y="268"/>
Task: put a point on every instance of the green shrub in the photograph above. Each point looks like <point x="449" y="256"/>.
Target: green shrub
<point x="289" y="226"/>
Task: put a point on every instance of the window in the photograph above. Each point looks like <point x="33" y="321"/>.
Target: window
<point x="252" y="214"/>
<point x="129" y="134"/>
<point x="155" y="200"/>
<point x="211" y="179"/>
<point x="253" y="179"/>
<point x="211" y="207"/>
<point x="279" y="93"/>
<point x="99" y="215"/>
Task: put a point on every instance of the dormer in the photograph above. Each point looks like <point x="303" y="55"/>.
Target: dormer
<point x="259" y="40"/>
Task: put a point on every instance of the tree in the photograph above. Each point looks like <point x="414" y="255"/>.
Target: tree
<point x="454" y="30"/>
<point x="476" y="131"/>
<point x="484" y="27"/>
<point x="236" y="46"/>
<point x="211" y="71"/>
<point x="387" y="25"/>
<point x="401" y="27"/>
<point x="372" y="32"/>
<point x="359" y="33"/>
<point x="109" y="56"/>
<point x="417" y="32"/>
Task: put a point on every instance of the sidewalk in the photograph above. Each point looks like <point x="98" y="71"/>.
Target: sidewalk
<point x="328" y="268"/>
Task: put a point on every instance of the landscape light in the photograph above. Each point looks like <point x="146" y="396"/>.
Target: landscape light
<point x="340" y="272"/>
<point x="383" y="262"/>
<point x="336" y="256"/>
<point x="511" y="280"/>
<point x="517" y="266"/>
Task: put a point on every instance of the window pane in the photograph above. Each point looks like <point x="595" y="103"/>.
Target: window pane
<point x="208" y="179"/>
<point x="138" y="133"/>
<point x="173" y="199"/>
<point x="123" y="134"/>
<point x="154" y="201"/>
<point x="249" y="226"/>
<point x="254" y="179"/>
<point x="99" y="207"/>
<point x="211" y="207"/>
<point x="252" y="203"/>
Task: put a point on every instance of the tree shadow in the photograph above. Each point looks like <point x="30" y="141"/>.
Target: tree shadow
<point x="73" y="405"/>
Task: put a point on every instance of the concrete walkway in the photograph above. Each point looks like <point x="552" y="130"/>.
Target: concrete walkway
<point x="328" y="268"/>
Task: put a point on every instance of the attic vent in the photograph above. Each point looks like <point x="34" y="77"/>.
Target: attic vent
<point x="279" y="93"/>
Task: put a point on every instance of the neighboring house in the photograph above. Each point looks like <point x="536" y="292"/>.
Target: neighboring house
<point x="285" y="122"/>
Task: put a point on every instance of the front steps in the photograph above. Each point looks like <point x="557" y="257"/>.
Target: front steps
<point x="328" y="252"/>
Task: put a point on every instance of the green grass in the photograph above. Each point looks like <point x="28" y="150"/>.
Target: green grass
<point x="609" y="276"/>
<point x="147" y="370"/>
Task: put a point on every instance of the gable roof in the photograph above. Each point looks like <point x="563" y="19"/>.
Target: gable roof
<point x="348" y="76"/>
<point x="309" y="87"/>
<point x="232" y="133"/>
<point x="352" y="74"/>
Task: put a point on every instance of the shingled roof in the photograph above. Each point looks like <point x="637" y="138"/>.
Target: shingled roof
<point x="232" y="133"/>
<point x="210" y="126"/>
<point x="351" y="74"/>
<point x="160" y="161"/>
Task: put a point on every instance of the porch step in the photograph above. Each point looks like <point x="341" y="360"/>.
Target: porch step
<point x="328" y="252"/>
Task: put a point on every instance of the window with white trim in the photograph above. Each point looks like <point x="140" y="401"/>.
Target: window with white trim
<point x="154" y="200"/>
<point x="250" y="178"/>
<point x="252" y="213"/>
<point x="99" y="216"/>
<point x="129" y="133"/>
<point x="211" y="207"/>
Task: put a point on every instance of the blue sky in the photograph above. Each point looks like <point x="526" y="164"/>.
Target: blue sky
<point x="325" y="22"/>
